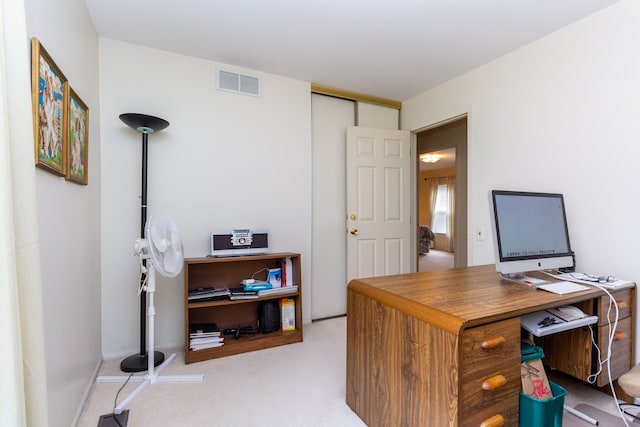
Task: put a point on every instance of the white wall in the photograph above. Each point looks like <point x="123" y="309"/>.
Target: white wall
<point x="377" y="116"/>
<point x="226" y="161"/>
<point x="558" y="115"/>
<point x="69" y="219"/>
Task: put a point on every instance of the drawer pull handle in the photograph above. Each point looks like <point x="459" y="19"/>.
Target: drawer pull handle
<point x="495" y="421"/>
<point x="621" y="304"/>
<point x="494" y="382"/>
<point x="493" y="342"/>
<point x="619" y="336"/>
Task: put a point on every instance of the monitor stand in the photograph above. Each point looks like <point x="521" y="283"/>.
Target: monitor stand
<point x="523" y="278"/>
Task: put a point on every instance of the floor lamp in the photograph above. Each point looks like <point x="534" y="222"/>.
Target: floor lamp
<point x="144" y="124"/>
<point x="140" y="362"/>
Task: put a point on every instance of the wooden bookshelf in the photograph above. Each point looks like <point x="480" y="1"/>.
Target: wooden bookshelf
<point x="230" y="314"/>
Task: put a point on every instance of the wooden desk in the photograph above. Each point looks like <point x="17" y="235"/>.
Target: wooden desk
<point x="433" y="348"/>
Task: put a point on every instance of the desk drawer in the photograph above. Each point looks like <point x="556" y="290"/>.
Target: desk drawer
<point x="620" y="350"/>
<point x="490" y="373"/>
<point x="624" y="300"/>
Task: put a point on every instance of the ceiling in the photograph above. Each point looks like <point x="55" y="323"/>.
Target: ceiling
<point x="447" y="159"/>
<point x="389" y="49"/>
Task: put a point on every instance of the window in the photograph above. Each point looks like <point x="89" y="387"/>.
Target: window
<point x="441" y="210"/>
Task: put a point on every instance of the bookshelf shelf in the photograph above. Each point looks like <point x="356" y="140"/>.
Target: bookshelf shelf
<point x="229" y="314"/>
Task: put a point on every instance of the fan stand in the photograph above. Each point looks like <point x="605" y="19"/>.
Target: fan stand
<point x="151" y="376"/>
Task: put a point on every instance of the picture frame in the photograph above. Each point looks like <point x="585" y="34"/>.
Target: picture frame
<point x="77" y="139"/>
<point x="48" y="92"/>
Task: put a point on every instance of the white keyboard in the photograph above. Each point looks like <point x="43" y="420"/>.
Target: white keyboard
<point x="562" y="287"/>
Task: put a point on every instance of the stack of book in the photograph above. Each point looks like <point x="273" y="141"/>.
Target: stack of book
<point x="242" y="293"/>
<point x="208" y="294"/>
<point x="204" y="335"/>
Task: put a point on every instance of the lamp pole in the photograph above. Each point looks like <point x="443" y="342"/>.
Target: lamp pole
<point x="144" y="124"/>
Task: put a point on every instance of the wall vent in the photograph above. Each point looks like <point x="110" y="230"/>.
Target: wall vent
<point x="239" y="83"/>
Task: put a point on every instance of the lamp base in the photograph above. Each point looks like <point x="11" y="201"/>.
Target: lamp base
<point x="139" y="363"/>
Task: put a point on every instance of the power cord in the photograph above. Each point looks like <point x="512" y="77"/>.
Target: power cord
<point x="253" y="276"/>
<point x="115" y="401"/>
<point x="612" y="329"/>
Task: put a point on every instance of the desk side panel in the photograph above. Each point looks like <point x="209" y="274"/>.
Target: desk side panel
<point x="400" y="370"/>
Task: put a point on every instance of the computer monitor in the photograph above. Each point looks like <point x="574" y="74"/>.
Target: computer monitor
<point x="530" y="231"/>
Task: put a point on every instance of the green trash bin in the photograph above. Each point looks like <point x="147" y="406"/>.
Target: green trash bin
<point x="535" y="412"/>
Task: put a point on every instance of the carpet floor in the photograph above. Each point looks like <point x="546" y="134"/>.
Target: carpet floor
<point x="435" y="260"/>
<point x="300" y="384"/>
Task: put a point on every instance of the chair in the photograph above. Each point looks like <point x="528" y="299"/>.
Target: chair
<point x="425" y="237"/>
<point x="630" y="384"/>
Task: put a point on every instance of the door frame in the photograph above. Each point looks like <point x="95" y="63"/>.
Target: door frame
<point x="461" y="234"/>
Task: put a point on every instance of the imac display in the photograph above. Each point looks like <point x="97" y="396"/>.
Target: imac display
<point x="530" y="232"/>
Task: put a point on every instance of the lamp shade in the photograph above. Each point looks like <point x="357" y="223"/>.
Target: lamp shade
<point x="143" y="122"/>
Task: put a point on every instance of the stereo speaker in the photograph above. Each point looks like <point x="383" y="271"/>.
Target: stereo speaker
<point x="269" y="316"/>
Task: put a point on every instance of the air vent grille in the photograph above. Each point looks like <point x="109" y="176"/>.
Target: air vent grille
<point x="239" y="83"/>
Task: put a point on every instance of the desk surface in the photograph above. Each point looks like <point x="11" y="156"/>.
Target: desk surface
<point x="456" y="299"/>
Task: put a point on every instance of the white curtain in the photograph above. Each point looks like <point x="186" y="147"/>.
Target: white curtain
<point x="23" y="393"/>
<point x="430" y="191"/>
<point x="451" y="181"/>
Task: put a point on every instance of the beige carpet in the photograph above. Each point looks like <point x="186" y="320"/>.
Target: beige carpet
<point x="603" y="418"/>
<point x="435" y="260"/>
<point x="301" y="384"/>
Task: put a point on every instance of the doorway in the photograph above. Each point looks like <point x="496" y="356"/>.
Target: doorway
<point x="442" y="196"/>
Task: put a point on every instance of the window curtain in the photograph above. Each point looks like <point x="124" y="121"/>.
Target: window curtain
<point x="430" y="191"/>
<point x="23" y="392"/>
<point x="451" y="187"/>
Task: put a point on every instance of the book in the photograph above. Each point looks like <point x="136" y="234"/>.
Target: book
<point x="283" y="272"/>
<point x="207" y="294"/>
<point x="199" y="329"/>
<point x="274" y="276"/>
<point x="240" y="297"/>
<point x="206" y="340"/>
<point x="196" y="347"/>
<point x="288" y="315"/>
<point x="288" y="272"/>
<point x="257" y="286"/>
<point x="278" y="291"/>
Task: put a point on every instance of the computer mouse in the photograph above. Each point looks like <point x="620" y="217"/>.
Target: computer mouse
<point x="571" y="311"/>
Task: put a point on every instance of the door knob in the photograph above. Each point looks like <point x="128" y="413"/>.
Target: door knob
<point x="353" y="231"/>
<point x="352" y="217"/>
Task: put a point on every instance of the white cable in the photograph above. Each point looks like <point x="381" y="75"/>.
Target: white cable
<point x="142" y="284"/>
<point x="593" y="377"/>
<point x="607" y="360"/>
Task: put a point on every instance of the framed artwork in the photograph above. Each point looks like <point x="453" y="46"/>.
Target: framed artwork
<point x="48" y="87"/>
<point x="77" y="137"/>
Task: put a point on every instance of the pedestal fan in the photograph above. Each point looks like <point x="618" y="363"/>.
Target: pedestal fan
<point x="162" y="248"/>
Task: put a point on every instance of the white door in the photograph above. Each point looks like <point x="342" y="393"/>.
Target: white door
<point x="330" y="117"/>
<point x="378" y="202"/>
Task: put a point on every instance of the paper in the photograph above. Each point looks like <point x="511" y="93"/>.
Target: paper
<point x="589" y="279"/>
<point x="542" y="323"/>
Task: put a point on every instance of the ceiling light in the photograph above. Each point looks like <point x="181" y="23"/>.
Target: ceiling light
<point x="430" y="158"/>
